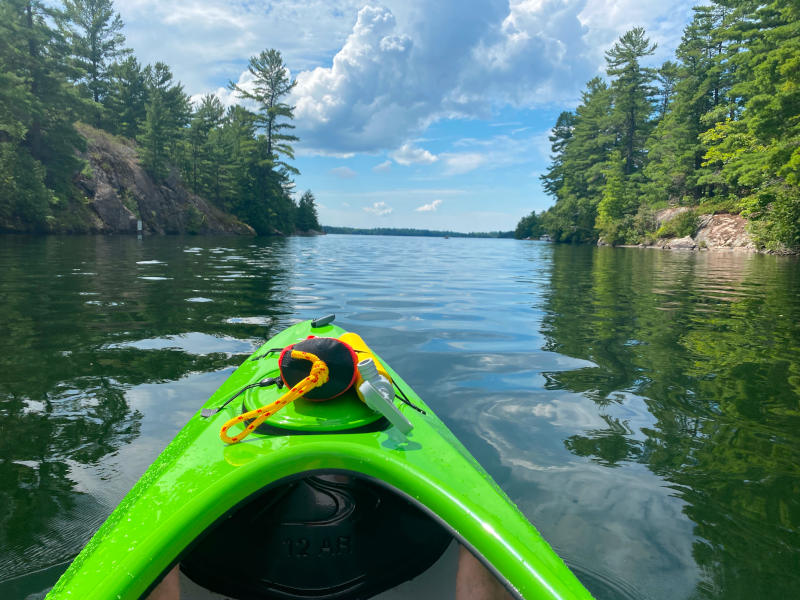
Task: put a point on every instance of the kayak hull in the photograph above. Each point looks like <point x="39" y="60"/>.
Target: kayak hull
<point x="198" y="480"/>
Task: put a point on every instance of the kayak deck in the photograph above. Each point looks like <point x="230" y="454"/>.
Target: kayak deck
<point x="198" y="482"/>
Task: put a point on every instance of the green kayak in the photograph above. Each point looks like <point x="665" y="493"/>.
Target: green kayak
<point x="363" y="495"/>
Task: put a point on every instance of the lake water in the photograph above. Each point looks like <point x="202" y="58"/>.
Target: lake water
<point x="641" y="407"/>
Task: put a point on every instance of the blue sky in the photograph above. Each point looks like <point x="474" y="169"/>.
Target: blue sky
<point x="427" y="114"/>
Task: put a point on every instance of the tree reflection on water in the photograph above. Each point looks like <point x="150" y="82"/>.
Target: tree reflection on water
<point x="710" y="343"/>
<point x="85" y="322"/>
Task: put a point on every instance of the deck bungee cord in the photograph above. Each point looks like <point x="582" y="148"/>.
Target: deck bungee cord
<point x="318" y="376"/>
<point x="334" y="368"/>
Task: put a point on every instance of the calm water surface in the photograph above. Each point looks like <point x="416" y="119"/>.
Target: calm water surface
<point x="641" y="407"/>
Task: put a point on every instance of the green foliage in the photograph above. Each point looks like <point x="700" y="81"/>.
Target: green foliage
<point x="202" y="164"/>
<point x="307" y="213"/>
<point x="631" y="90"/>
<point x="617" y="203"/>
<point x="720" y="131"/>
<point x="529" y="227"/>
<point x="775" y="217"/>
<point x="271" y="83"/>
<point x="94" y="32"/>
<point x="37" y="110"/>
<point x="194" y="220"/>
<point x="555" y="177"/>
<point x="167" y="112"/>
<point x="682" y="225"/>
<point x="24" y="198"/>
<point x="126" y="99"/>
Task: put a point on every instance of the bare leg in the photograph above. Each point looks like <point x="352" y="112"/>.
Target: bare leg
<point x="169" y="588"/>
<point x="474" y="582"/>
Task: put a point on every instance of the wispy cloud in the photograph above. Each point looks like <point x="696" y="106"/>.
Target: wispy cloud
<point x="379" y="208"/>
<point x="384" y="167"/>
<point x="429" y="207"/>
<point x="343" y="172"/>
<point x="462" y="162"/>
<point x="496" y="152"/>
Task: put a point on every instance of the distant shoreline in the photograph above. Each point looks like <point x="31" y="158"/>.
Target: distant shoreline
<point x="393" y="231"/>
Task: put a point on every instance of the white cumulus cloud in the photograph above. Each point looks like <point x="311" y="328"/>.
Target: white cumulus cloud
<point x="429" y="207"/>
<point x="372" y="77"/>
<point x="379" y="208"/>
<point x="408" y="155"/>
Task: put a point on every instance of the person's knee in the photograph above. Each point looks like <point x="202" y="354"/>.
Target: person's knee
<point x="475" y="582"/>
<point x="169" y="588"/>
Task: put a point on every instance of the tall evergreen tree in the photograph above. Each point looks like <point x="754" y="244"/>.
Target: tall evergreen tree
<point x="675" y="151"/>
<point x="553" y="179"/>
<point x="95" y="34"/>
<point x="757" y="148"/>
<point x="23" y="195"/>
<point x="167" y="113"/>
<point x="632" y="91"/>
<point x="667" y="76"/>
<point x="201" y="166"/>
<point x="307" y="219"/>
<point x="127" y="98"/>
<point x="271" y="83"/>
<point x="577" y="173"/>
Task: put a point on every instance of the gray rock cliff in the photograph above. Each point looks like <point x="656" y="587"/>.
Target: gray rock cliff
<point x="119" y="193"/>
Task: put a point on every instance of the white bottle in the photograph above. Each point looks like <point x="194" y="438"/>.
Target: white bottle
<point x="377" y="392"/>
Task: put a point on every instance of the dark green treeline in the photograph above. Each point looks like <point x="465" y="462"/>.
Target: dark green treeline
<point x="67" y="64"/>
<point x="717" y="130"/>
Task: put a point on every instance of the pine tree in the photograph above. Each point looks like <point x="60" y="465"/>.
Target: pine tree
<point x="756" y="149"/>
<point x="201" y="167"/>
<point x="271" y="83"/>
<point x="617" y="204"/>
<point x="127" y="98"/>
<point x="577" y="174"/>
<point x="24" y="198"/>
<point x="307" y="219"/>
<point x="553" y="179"/>
<point x="95" y="34"/>
<point x="631" y="92"/>
<point x="167" y="113"/>
<point x="38" y="109"/>
<point x="667" y="77"/>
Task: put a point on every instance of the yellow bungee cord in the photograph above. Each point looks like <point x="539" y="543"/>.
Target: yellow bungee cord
<point x="317" y="377"/>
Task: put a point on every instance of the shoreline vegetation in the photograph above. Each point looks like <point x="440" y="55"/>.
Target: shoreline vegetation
<point x="92" y="141"/>
<point x="715" y="133"/>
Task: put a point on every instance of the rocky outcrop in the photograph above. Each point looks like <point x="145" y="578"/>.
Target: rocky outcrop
<point x="721" y="231"/>
<point x="668" y="214"/>
<point x="684" y="243"/>
<point x="120" y="193"/>
<point x="724" y="231"/>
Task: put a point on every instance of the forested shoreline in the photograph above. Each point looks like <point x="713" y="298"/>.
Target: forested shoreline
<point x="69" y="64"/>
<point x="716" y="131"/>
<point x="411" y="232"/>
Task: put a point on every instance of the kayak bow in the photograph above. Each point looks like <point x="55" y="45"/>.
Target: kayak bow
<point x="323" y="500"/>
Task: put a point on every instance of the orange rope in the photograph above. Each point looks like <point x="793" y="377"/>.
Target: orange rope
<point x="317" y="377"/>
